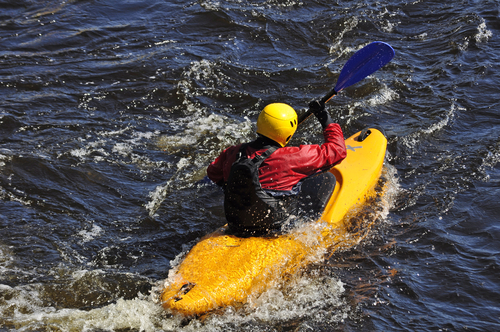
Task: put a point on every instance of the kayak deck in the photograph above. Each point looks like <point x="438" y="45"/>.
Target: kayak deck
<point x="223" y="270"/>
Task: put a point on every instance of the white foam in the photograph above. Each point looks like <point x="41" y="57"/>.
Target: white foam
<point x="6" y="255"/>
<point x="422" y="36"/>
<point x="338" y="48"/>
<point x="165" y="42"/>
<point x="412" y="140"/>
<point x="161" y="191"/>
<point x="80" y="153"/>
<point x="122" y="148"/>
<point x="383" y="96"/>
<point x="92" y="234"/>
<point x="483" y="34"/>
<point x="111" y="147"/>
<point x="449" y="115"/>
<point x="137" y="314"/>
<point x="305" y="298"/>
<point x="195" y="133"/>
<point x="15" y="195"/>
<point x="3" y="159"/>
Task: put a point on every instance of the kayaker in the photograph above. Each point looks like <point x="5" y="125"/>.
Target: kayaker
<point x="265" y="182"/>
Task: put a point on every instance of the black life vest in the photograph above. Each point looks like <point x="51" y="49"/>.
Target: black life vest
<point x="247" y="206"/>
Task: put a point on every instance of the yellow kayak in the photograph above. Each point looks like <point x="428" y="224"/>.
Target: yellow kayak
<point x="224" y="270"/>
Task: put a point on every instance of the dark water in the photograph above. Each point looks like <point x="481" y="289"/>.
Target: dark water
<point x="110" y="112"/>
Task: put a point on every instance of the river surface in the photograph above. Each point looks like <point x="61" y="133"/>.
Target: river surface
<point x="110" y="112"/>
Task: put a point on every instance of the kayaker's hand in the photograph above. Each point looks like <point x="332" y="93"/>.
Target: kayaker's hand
<point x="318" y="109"/>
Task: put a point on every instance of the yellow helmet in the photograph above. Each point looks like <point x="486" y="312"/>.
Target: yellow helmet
<point x="278" y="122"/>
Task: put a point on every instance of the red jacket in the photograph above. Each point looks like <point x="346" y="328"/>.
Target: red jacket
<point x="288" y="165"/>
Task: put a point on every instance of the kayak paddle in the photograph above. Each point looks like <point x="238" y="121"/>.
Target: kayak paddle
<point x="363" y="63"/>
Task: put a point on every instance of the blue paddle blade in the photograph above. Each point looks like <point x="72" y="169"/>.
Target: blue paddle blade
<point x="364" y="62"/>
